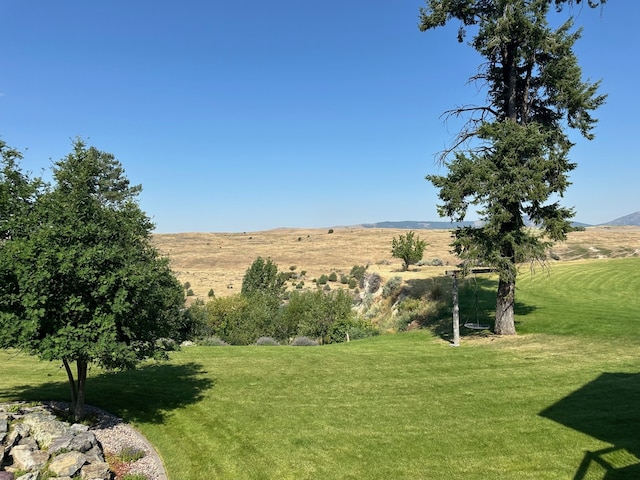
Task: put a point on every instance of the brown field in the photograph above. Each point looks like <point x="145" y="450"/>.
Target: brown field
<point x="219" y="260"/>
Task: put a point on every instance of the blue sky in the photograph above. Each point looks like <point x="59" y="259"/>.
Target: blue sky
<point x="247" y="116"/>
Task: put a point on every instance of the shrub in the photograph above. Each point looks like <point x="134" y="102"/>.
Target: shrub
<point x="268" y="341"/>
<point x="212" y="342"/>
<point x="323" y="279"/>
<point x="437" y="292"/>
<point x="211" y="294"/>
<point x="186" y="285"/>
<point x="303" y="342"/>
<point x="357" y="272"/>
<point x="402" y="321"/>
<point x="355" y="328"/>
<point x="330" y="230"/>
<point x="190" y="293"/>
<point x="300" y="285"/>
<point x="327" y="288"/>
<point x="352" y="283"/>
<point x="344" y="279"/>
<point x="371" y="282"/>
<point x="392" y="287"/>
<point x="130" y="454"/>
<point x="333" y="277"/>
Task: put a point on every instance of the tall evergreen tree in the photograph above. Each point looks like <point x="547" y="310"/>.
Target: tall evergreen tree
<point x="511" y="159"/>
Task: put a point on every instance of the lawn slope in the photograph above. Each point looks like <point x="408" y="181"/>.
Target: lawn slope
<point x="558" y="401"/>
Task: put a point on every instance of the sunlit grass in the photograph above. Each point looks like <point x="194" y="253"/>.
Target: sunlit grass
<point x="407" y="406"/>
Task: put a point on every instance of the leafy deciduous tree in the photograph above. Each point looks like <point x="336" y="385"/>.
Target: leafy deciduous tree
<point x="86" y="284"/>
<point x="511" y="158"/>
<point x="408" y="249"/>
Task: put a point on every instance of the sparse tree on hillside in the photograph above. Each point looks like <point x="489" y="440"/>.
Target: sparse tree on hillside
<point x="511" y="158"/>
<point x="82" y="282"/>
<point x="409" y="248"/>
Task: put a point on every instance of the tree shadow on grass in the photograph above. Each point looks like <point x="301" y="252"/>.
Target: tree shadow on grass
<point x="476" y="300"/>
<point x="146" y="394"/>
<point x="605" y="409"/>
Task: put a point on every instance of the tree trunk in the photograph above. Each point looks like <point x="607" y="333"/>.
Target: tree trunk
<point x="77" y="387"/>
<point x="505" y="322"/>
<point x="78" y="411"/>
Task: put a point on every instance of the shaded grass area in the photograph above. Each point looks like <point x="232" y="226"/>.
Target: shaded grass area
<point x="558" y="402"/>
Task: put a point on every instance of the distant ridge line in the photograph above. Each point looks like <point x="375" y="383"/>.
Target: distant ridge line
<point x="631" y="220"/>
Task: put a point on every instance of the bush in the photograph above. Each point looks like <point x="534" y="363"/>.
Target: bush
<point x="212" y="342"/>
<point x="323" y="279"/>
<point x="333" y="277"/>
<point x="353" y="283"/>
<point x="211" y="294"/>
<point x="344" y="279"/>
<point x="268" y="341"/>
<point x="356" y="329"/>
<point x="130" y="454"/>
<point x="437" y="293"/>
<point x="392" y="287"/>
<point x="371" y="282"/>
<point x="357" y="272"/>
<point x="186" y="285"/>
<point x="190" y="293"/>
<point x="330" y="230"/>
<point x="303" y="342"/>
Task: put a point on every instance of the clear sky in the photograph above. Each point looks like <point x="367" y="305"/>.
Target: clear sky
<point x="245" y="116"/>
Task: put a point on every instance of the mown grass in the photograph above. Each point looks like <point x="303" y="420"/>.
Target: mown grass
<point x="558" y="401"/>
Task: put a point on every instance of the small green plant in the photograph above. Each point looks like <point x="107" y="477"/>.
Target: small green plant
<point x="323" y="279"/>
<point x="327" y="287"/>
<point x="344" y="279"/>
<point x="190" y="293"/>
<point x="211" y="293"/>
<point x="186" y="285"/>
<point x="333" y="277"/>
<point x="130" y="454"/>
<point x="353" y="283"/>
<point x="300" y="285"/>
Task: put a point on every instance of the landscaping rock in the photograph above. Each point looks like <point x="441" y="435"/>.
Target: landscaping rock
<point x="68" y="464"/>
<point x="28" y="459"/>
<point x="34" y="440"/>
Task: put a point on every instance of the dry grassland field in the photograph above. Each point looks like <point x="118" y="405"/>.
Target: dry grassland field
<point x="218" y="261"/>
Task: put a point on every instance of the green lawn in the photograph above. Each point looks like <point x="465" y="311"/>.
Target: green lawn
<point x="559" y="401"/>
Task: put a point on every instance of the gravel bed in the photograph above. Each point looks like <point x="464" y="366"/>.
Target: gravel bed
<point x="114" y="434"/>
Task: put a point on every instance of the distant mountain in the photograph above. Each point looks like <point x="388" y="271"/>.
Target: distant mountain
<point x="413" y="225"/>
<point x="632" y="219"/>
